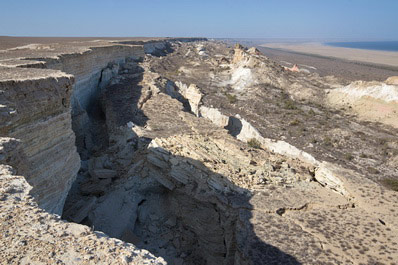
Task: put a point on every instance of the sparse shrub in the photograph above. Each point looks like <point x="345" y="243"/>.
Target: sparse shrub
<point x="391" y="183"/>
<point x="254" y="143"/>
<point x="348" y="156"/>
<point x="231" y="98"/>
<point x="327" y="141"/>
<point x="372" y="170"/>
<point x="289" y="104"/>
<point x="383" y="141"/>
<point x="363" y="155"/>
<point x="294" y="122"/>
<point x="311" y="112"/>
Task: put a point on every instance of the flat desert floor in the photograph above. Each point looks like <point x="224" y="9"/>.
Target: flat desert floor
<point x="346" y="63"/>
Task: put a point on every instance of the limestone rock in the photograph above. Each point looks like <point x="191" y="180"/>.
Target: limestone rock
<point x="392" y="80"/>
<point x="214" y="115"/>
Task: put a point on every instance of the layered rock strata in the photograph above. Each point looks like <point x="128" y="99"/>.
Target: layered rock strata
<point x="38" y="104"/>
<point x="36" y="110"/>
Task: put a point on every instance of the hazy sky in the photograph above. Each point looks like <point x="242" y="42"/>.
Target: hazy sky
<point x="363" y="19"/>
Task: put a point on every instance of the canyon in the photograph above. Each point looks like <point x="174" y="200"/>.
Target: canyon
<point x="190" y="151"/>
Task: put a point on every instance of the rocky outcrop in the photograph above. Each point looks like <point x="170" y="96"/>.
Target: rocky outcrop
<point x="373" y="101"/>
<point x="215" y="116"/>
<point x="192" y="94"/>
<point x="392" y="80"/>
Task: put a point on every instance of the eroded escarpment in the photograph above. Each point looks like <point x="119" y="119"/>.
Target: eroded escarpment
<point x="169" y="164"/>
<point x="39" y="105"/>
<point x="36" y="110"/>
<point x="178" y="179"/>
<point x="180" y="194"/>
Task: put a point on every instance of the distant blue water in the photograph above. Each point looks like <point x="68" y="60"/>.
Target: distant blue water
<point x="367" y="45"/>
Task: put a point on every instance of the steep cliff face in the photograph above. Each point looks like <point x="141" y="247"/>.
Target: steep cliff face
<point x="92" y="70"/>
<point x="38" y="114"/>
<point x="87" y="68"/>
<point x="40" y="105"/>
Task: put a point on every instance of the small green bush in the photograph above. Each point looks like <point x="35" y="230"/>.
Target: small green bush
<point x="254" y="143"/>
<point x="231" y="98"/>
<point x="289" y="104"/>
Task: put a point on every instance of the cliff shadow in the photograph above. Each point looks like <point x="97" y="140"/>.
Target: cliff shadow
<point x="116" y="104"/>
<point x="213" y="217"/>
<point x="122" y="102"/>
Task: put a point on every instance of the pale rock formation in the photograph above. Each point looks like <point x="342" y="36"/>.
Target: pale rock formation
<point x="327" y="178"/>
<point x="374" y="101"/>
<point x="214" y="115"/>
<point x="192" y="94"/>
<point x="392" y="80"/>
<point x="254" y="51"/>
<point x="245" y="132"/>
<point x="36" y="114"/>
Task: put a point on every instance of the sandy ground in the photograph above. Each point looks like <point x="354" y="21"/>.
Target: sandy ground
<point x="345" y="69"/>
<point x="365" y="56"/>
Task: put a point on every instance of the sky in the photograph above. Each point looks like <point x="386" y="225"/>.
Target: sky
<point x="322" y="19"/>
